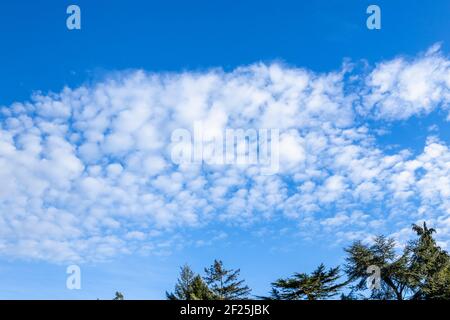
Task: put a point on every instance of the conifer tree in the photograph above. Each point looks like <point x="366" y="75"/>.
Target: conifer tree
<point x="421" y="271"/>
<point x="183" y="285"/>
<point x="225" y="284"/>
<point x="199" y="290"/>
<point x="394" y="269"/>
<point x="118" y="296"/>
<point x="321" y="284"/>
<point x="190" y="287"/>
<point x="430" y="266"/>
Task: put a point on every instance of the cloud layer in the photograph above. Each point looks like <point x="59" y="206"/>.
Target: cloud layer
<point x="86" y="173"/>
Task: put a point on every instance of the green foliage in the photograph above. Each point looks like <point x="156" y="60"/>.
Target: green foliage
<point x="190" y="287"/>
<point x="118" y="296"/>
<point x="225" y="284"/>
<point x="430" y="266"/>
<point x="352" y="296"/>
<point x="394" y="268"/>
<point x="199" y="290"/>
<point x="321" y="284"/>
<point x="421" y="270"/>
<point x="182" y="287"/>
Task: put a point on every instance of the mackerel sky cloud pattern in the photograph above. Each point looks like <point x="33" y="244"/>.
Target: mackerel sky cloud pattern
<point x="87" y="175"/>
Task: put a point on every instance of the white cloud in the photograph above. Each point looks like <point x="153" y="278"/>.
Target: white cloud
<point x="401" y="88"/>
<point x="86" y="174"/>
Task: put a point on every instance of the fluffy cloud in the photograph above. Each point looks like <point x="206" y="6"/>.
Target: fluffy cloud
<point x="86" y="174"/>
<point x="399" y="89"/>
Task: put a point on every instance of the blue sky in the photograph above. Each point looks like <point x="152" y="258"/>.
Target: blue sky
<point x="383" y="96"/>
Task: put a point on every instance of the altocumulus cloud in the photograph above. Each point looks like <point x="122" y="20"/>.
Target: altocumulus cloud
<point x="86" y="173"/>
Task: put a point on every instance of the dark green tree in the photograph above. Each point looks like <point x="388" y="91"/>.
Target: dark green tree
<point x="320" y="284"/>
<point x="183" y="284"/>
<point x="199" y="290"/>
<point x="118" y="296"/>
<point x="394" y="269"/>
<point x="430" y="266"/>
<point x="420" y="271"/>
<point x="352" y="296"/>
<point x="190" y="287"/>
<point x="225" y="284"/>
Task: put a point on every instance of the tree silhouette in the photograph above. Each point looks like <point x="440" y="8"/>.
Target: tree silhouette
<point x="430" y="266"/>
<point x="394" y="272"/>
<point x="118" y="296"/>
<point x="224" y="284"/>
<point x="421" y="270"/>
<point x="321" y="284"/>
<point x="190" y="287"/>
